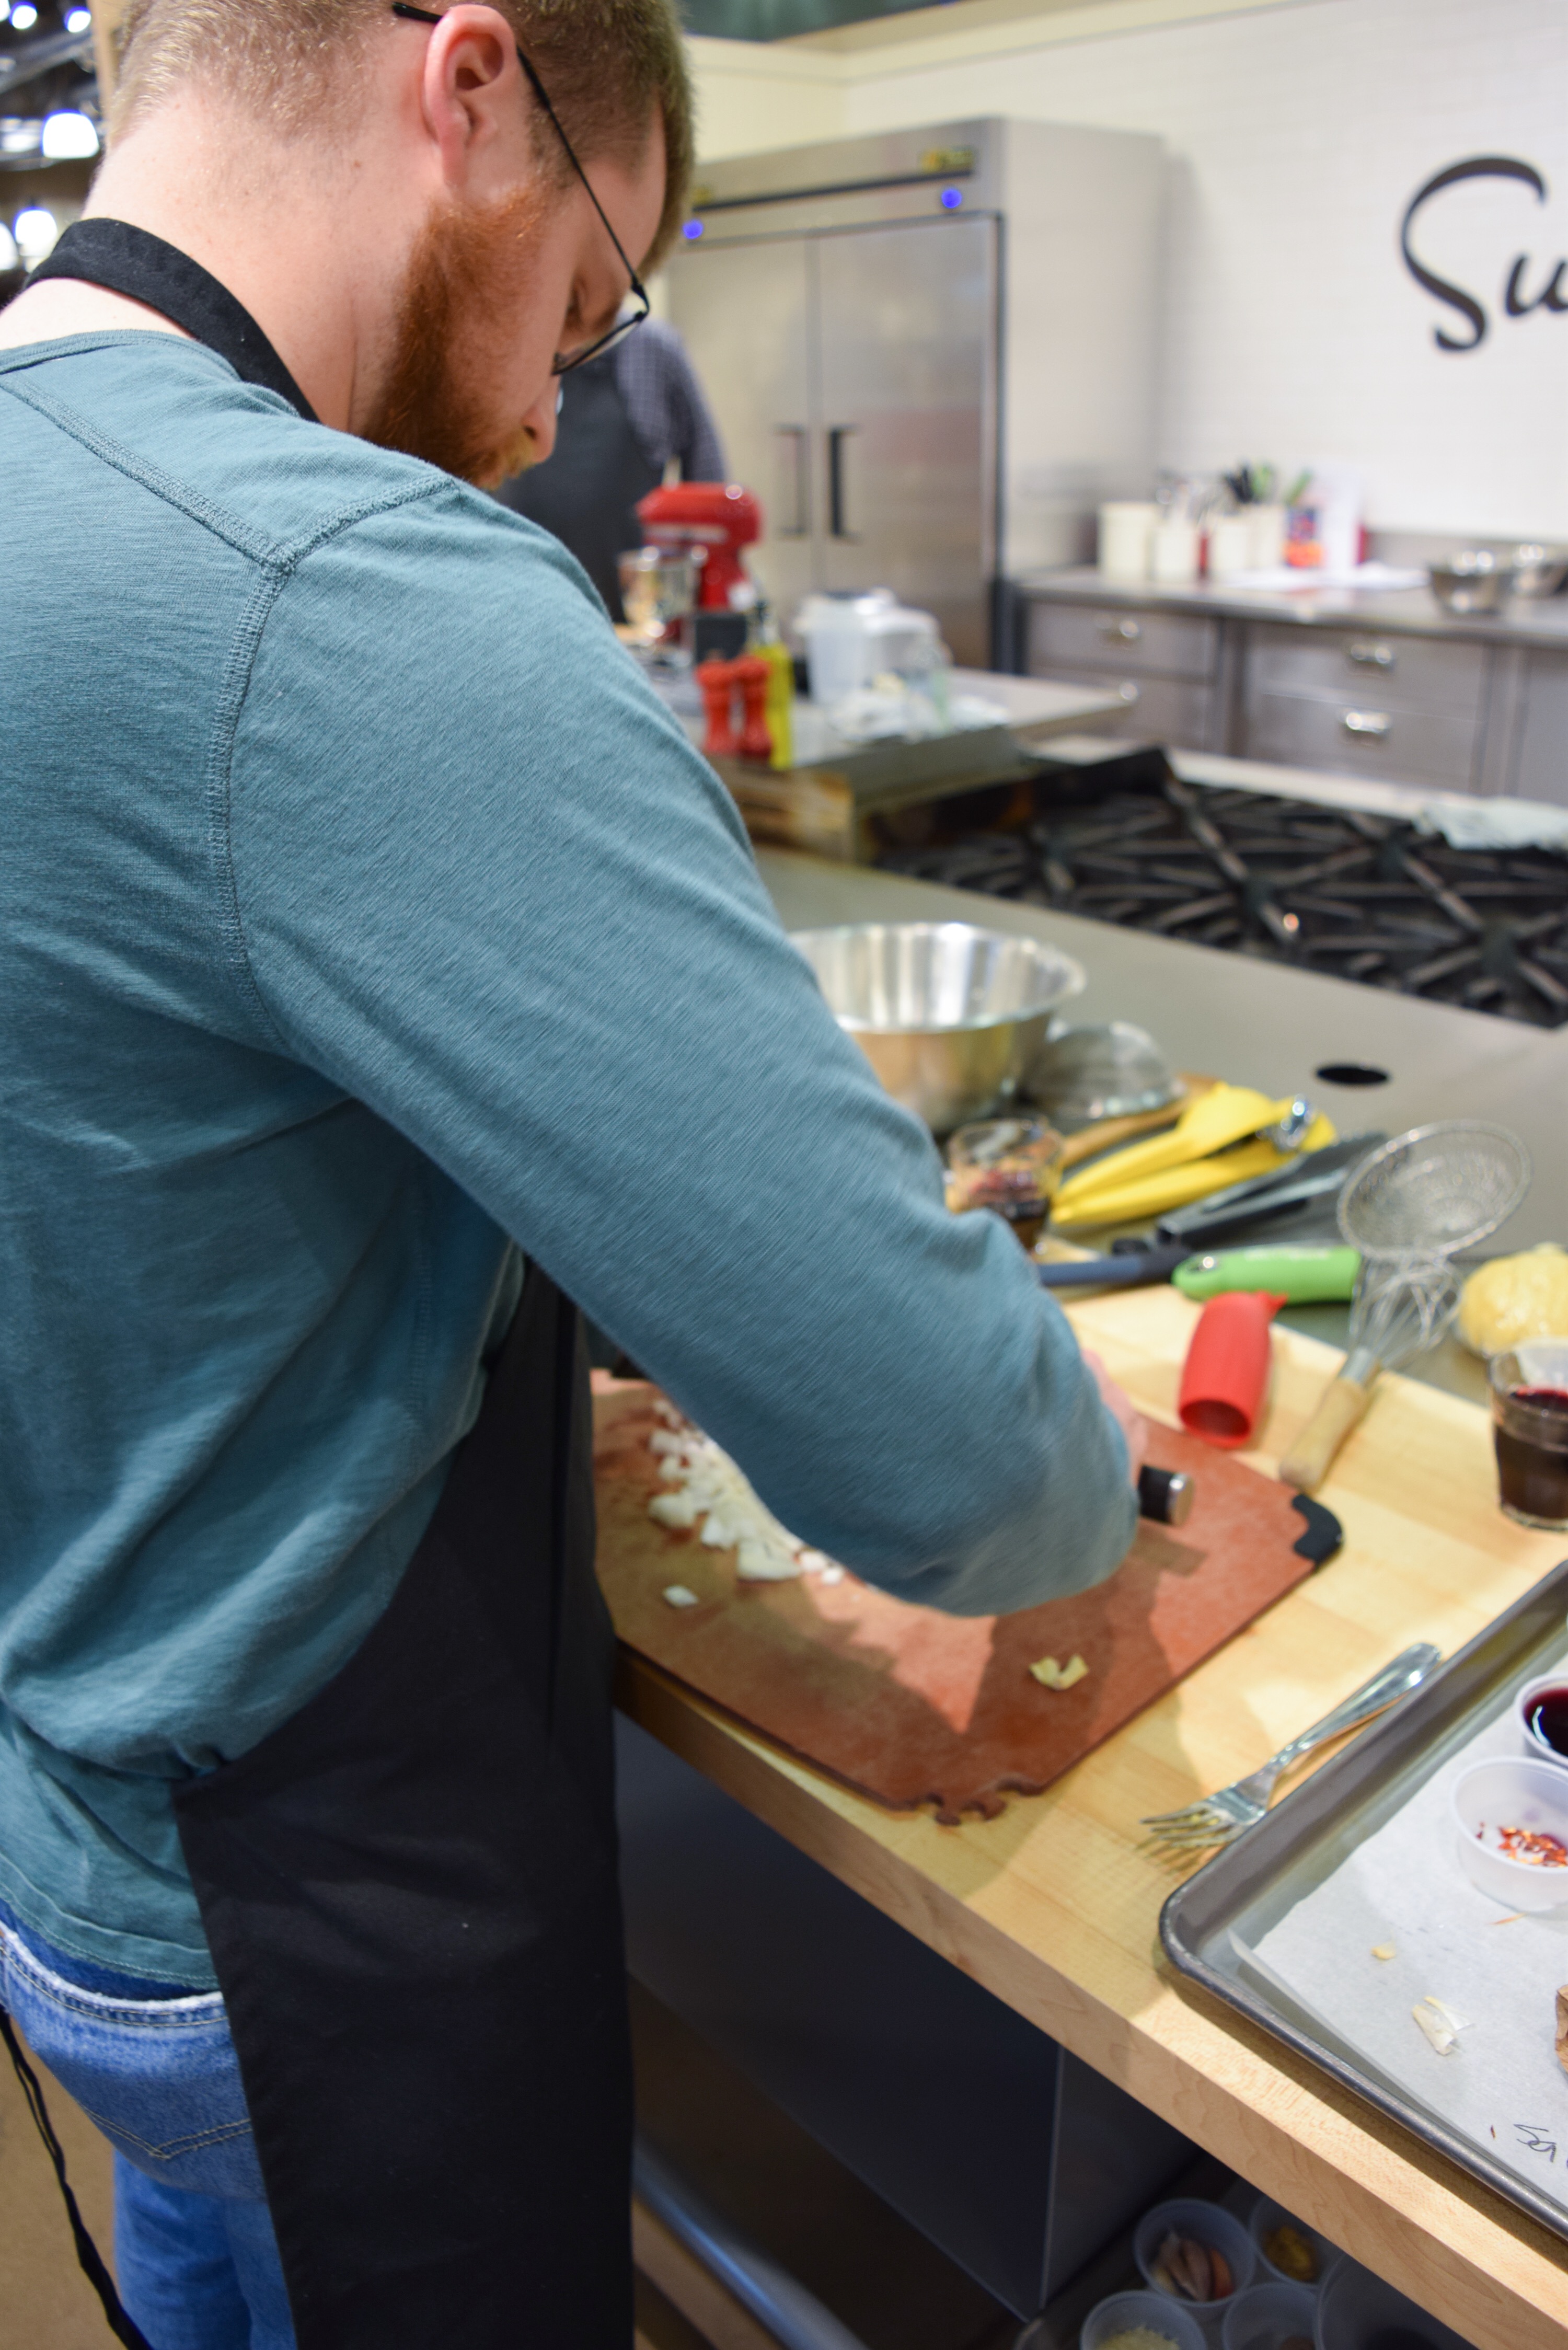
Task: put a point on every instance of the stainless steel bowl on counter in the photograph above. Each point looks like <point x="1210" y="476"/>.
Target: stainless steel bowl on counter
<point x="1538" y="570"/>
<point x="948" y="1014"/>
<point x="1473" y="584"/>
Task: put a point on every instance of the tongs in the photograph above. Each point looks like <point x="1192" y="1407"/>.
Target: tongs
<point x="1289" y="1196"/>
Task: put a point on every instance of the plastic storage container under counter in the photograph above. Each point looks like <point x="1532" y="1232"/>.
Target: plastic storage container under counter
<point x="1214" y="2227"/>
<point x="1135" y="2312"/>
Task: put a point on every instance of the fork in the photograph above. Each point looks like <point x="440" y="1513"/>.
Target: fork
<point x="1219" y="1819"/>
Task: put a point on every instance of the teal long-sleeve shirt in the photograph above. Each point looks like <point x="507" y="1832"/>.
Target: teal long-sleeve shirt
<point x="364" y="920"/>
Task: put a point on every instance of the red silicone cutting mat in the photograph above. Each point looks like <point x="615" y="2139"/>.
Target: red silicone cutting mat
<point x="911" y="1707"/>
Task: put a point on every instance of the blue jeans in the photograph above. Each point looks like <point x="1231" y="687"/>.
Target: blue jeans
<point x="194" y="2250"/>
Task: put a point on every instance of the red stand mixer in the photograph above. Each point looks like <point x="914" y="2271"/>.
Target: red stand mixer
<point x="710" y="521"/>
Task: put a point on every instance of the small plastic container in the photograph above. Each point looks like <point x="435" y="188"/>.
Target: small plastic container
<point x="1214" y="2227"/>
<point x="1532" y="1741"/>
<point x="1268" y="2316"/>
<point x="1124" y="2312"/>
<point x="1265" y="2219"/>
<point x="1503" y="1794"/>
<point x="1355" y="2309"/>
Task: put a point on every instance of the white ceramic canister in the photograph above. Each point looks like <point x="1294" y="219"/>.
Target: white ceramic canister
<point x="1266" y="527"/>
<point x="1173" y="552"/>
<point x="1124" y="545"/>
<point x="1230" y="545"/>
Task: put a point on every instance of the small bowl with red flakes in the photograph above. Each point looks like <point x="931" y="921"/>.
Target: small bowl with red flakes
<point x="1512" y="1815"/>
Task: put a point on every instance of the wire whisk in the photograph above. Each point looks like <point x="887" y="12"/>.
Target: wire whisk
<point x="1410" y="1209"/>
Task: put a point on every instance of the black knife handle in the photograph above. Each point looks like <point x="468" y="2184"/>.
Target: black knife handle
<point x="1165" y="1495"/>
<point x="1129" y="1268"/>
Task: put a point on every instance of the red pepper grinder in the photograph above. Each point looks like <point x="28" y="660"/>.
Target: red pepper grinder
<point x="756" y="743"/>
<point x="717" y="679"/>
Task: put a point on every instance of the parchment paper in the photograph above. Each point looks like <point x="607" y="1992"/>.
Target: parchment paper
<point x="1502" y="2086"/>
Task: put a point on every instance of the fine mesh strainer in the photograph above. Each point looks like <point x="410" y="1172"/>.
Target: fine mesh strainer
<point x="1410" y="1209"/>
<point x="1435" y="1191"/>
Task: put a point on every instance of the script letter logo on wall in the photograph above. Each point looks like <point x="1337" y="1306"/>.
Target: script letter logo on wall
<point x="1515" y="303"/>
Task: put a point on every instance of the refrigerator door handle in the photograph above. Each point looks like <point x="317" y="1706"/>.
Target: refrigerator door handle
<point x="837" y="526"/>
<point x="794" y="472"/>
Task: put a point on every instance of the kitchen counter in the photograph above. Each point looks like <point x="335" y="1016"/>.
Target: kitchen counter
<point x="1259" y="1023"/>
<point x="1053" y="1907"/>
<point x="828" y="805"/>
<point x="1539" y="622"/>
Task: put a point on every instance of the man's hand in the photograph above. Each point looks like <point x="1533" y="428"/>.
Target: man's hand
<point x="1123" y="1411"/>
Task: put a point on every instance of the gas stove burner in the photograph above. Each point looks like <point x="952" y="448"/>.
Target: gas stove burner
<point x="1340" y="890"/>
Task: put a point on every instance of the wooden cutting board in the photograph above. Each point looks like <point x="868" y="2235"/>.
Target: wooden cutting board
<point x="911" y="1707"/>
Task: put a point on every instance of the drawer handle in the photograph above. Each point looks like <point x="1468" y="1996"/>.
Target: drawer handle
<point x="1122" y="632"/>
<point x="1127" y="691"/>
<point x="1368" y="656"/>
<point x="1367" y="721"/>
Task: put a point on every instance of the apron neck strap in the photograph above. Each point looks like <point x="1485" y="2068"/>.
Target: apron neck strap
<point x="127" y="260"/>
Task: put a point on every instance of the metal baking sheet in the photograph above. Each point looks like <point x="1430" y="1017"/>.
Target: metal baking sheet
<point x="1244" y="1891"/>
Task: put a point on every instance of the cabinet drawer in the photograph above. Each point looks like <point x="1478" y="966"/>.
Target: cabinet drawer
<point x="1161" y="710"/>
<point x="1367" y="736"/>
<point x="1542" y="770"/>
<point x="1112" y="636"/>
<point x="1358" y="665"/>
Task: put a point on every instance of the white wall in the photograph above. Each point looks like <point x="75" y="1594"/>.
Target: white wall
<point x="1296" y="137"/>
<point x="752" y="95"/>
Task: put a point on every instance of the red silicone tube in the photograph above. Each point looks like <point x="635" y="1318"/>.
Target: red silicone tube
<point x="1227" y="1369"/>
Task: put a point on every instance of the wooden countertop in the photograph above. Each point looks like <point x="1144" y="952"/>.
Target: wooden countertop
<point x="1055" y="1906"/>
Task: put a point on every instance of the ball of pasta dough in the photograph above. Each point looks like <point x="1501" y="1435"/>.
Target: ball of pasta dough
<point x="1514" y="1298"/>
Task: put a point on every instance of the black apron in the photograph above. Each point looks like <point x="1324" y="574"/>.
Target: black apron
<point x="409" y="1888"/>
<point x="586" y="490"/>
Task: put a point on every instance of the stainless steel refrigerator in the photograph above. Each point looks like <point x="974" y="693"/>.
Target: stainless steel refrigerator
<point x="930" y="353"/>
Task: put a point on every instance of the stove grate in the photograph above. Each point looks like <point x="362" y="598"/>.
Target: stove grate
<point x="1360" y="896"/>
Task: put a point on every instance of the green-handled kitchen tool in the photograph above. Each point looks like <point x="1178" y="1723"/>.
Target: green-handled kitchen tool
<point x="1301" y="1275"/>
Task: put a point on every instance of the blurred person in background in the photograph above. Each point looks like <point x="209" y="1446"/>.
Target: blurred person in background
<point x="624" y="418"/>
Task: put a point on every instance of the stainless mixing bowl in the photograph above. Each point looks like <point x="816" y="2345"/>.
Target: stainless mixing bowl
<point x="947" y="1015"/>
<point x="1538" y="570"/>
<point x="1471" y="583"/>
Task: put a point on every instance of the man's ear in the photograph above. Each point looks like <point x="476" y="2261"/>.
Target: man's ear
<point x="473" y="96"/>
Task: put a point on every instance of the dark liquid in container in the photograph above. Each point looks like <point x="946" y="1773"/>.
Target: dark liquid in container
<point x="1548" y="1718"/>
<point x="1533" y="1470"/>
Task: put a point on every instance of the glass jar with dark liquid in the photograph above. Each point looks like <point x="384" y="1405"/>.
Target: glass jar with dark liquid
<point x="1529" y="1424"/>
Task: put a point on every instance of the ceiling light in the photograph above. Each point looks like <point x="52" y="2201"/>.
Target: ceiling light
<point x="24" y="16"/>
<point x="8" y="255"/>
<point x="78" y="20"/>
<point x="20" y="134"/>
<point x="36" y="231"/>
<point x="68" y="137"/>
<point x="4" y="10"/>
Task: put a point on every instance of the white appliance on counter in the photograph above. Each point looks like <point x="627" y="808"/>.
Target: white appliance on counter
<point x="929" y="352"/>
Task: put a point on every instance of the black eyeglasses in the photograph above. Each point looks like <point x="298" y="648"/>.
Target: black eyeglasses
<point x="623" y="327"/>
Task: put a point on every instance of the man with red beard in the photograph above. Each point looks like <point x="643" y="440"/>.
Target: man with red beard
<point x="378" y="956"/>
